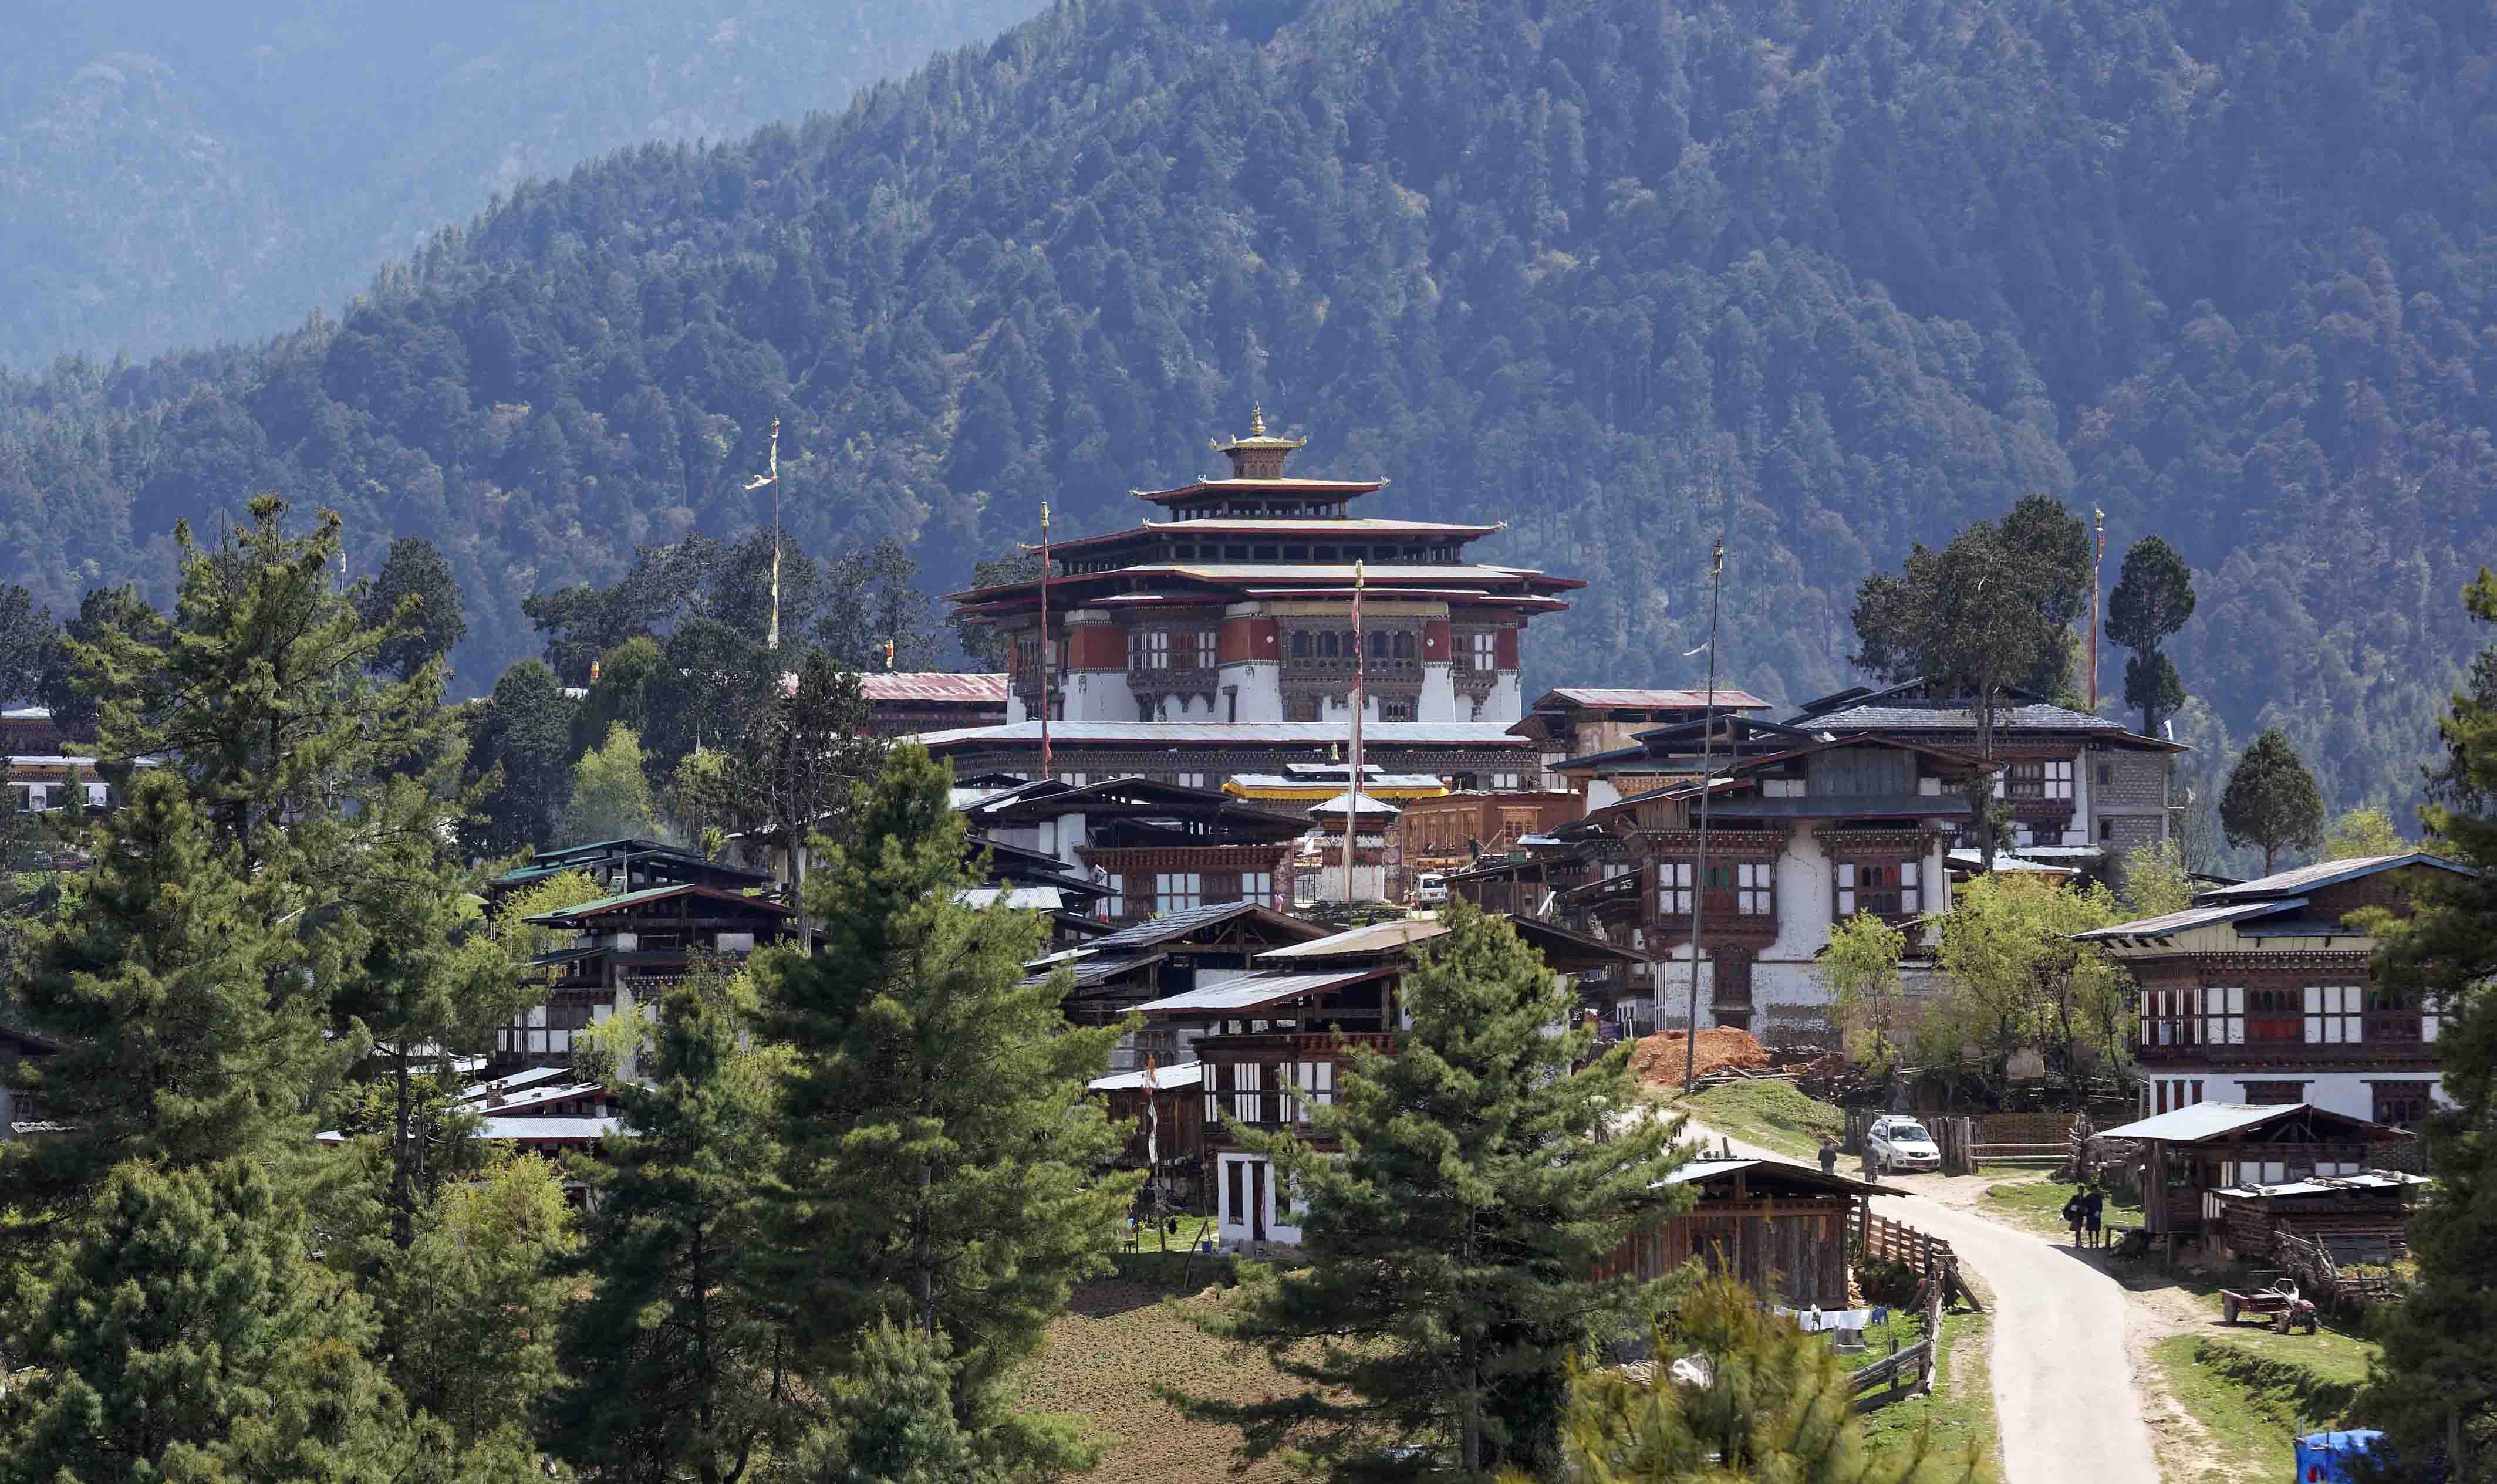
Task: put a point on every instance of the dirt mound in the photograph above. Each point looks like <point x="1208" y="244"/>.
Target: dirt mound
<point x="1657" y="1058"/>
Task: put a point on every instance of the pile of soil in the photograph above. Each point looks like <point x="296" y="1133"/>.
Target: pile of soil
<point x="1657" y="1058"/>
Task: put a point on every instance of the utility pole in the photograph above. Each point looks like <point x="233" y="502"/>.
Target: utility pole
<point x="772" y="641"/>
<point x="1045" y="761"/>
<point x="1360" y="678"/>
<point x="1707" y="788"/>
<point x="2097" y="585"/>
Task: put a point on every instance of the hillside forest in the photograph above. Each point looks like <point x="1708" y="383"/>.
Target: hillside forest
<point x="1830" y="279"/>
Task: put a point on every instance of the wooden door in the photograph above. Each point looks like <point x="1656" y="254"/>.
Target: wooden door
<point x="1257" y="1200"/>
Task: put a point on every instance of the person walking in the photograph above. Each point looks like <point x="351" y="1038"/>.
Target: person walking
<point x="2093" y="1207"/>
<point x="1829" y="1155"/>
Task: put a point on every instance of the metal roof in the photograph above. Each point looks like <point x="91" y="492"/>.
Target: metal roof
<point x="1091" y="973"/>
<point x="2205" y="1120"/>
<point x="1727" y="698"/>
<point x="2364" y="1180"/>
<point x="1186" y="1075"/>
<point x="1031" y="898"/>
<point x="2167" y="923"/>
<point x="1346" y="803"/>
<point x="1377" y="938"/>
<point x="2003" y="861"/>
<point x="1172" y="926"/>
<point x="1218" y="734"/>
<point x="545" y="1130"/>
<point x="2035" y="716"/>
<point x="2324" y="873"/>
<point x="933" y="685"/>
<point x="479" y="1092"/>
<point x="649" y="893"/>
<point x="1249" y="991"/>
<point x="1784" y="1169"/>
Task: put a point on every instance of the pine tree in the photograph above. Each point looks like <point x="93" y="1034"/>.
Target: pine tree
<point x="2153" y="597"/>
<point x="891" y="1420"/>
<point x="2433" y="1386"/>
<point x="416" y="600"/>
<point x="934" y="1114"/>
<point x="673" y="1369"/>
<point x="2271" y="800"/>
<point x="172" y="1051"/>
<point x="184" y="1334"/>
<point x="1776" y="1405"/>
<point x="610" y="794"/>
<point x="522" y="736"/>
<point x="803" y="763"/>
<point x="1446" y="1295"/>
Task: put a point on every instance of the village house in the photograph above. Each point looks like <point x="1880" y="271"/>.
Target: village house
<point x="1217" y="637"/>
<point x="1779" y="1227"/>
<point x="1153" y="847"/>
<point x="1582" y="720"/>
<point x="2199" y="1162"/>
<point x="624" y="950"/>
<point x="901" y="703"/>
<point x="2263" y="993"/>
<point x="1162" y="957"/>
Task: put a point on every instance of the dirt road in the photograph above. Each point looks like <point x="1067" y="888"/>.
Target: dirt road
<point x="2063" y="1381"/>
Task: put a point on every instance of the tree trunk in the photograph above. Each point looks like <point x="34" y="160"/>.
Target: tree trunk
<point x="402" y="1173"/>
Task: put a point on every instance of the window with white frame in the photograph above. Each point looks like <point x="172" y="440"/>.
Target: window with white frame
<point x="1508" y="780"/>
<point x="1205" y="648"/>
<point x="2040" y="777"/>
<point x="1192" y="781"/>
<point x="1312" y="1084"/>
<point x="1483" y="650"/>
<point x="1882" y="887"/>
<point x="1177" y="891"/>
<point x="1782" y="788"/>
<point x="1075" y="779"/>
<point x="2335" y="1014"/>
<point x="2224" y="1015"/>
<point x="1115" y="905"/>
<point x="1258" y="887"/>
<point x="1754" y="888"/>
<point x="1673" y="888"/>
<point x="1247" y="1082"/>
<point x="1149" y="650"/>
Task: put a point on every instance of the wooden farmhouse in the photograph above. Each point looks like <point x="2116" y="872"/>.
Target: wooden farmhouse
<point x="625" y="949"/>
<point x="1779" y="1227"/>
<point x="1155" y="848"/>
<point x="2195" y="1159"/>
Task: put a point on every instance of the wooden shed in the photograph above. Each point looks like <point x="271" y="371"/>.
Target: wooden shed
<point x="2358" y="1218"/>
<point x="1779" y="1227"/>
<point x="2194" y="1152"/>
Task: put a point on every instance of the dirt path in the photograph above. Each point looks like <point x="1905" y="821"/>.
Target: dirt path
<point x="2063" y="1365"/>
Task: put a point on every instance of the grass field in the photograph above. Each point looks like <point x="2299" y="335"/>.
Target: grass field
<point x="1960" y="1411"/>
<point x="1774" y="1115"/>
<point x="2251" y="1403"/>
<point x="2037" y="1205"/>
<point x="1103" y="1361"/>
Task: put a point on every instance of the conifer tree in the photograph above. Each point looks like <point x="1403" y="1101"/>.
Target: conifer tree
<point x="1776" y="1405"/>
<point x="610" y="794"/>
<point x="2433" y="1386"/>
<point x="2271" y="800"/>
<point x="938" y="1137"/>
<point x="184" y="1334"/>
<point x="153" y="984"/>
<point x="1449" y="1244"/>
<point x="2153" y="597"/>
<point x="673" y="1369"/>
<point x="416" y="601"/>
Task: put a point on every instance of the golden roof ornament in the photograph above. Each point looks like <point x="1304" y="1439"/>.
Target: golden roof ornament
<point x="1260" y="455"/>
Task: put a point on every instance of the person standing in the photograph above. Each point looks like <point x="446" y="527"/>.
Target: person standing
<point x="2093" y="1207"/>
<point x="1829" y="1155"/>
<point x="2072" y="1217"/>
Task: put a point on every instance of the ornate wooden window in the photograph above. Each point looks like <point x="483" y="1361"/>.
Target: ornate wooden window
<point x="2272" y="1017"/>
<point x="1404" y="647"/>
<point x="1300" y="644"/>
<point x="2224" y="1015"/>
<point x="1885" y="888"/>
<point x="1483" y="650"/>
<point x="2274" y="1094"/>
<point x="1207" y="650"/>
<point x="1149" y="650"/>
<point x="2393" y="1016"/>
<point x="2401" y="1104"/>
<point x="1300" y="707"/>
<point x="2038" y="778"/>
<point x="1395" y="709"/>
<point x="2335" y="1015"/>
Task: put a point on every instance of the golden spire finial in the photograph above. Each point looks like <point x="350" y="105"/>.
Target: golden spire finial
<point x="1256" y="419"/>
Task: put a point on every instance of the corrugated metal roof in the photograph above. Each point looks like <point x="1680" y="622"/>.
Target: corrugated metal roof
<point x="2191" y="917"/>
<point x="1218" y="734"/>
<point x="2035" y="716"/>
<point x="1030" y="899"/>
<point x="2006" y="862"/>
<point x="2324" y="873"/>
<point x="649" y="893"/>
<point x="523" y="1079"/>
<point x="541" y="1130"/>
<point x="1186" y="1075"/>
<point x="2202" y="1121"/>
<point x="1715" y="1169"/>
<point x="1249" y="991"/>
<point x="2364" y="1180"/>
<point x="1346" y="803"/>
<point x="933" y="685"/>
<point x="1727" y="698"/>
<point x="1174" y="924"/>
<point x="1377" y="938"/>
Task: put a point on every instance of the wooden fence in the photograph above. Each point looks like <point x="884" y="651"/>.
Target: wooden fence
<point x="1909" y="1370"/>
<point x="1922" y="1253"/>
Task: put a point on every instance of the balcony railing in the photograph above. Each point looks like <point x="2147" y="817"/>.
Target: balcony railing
<point x="2289" y="1053"/>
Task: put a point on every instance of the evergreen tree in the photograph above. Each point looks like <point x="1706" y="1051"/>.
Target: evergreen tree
<point x="610" y="792"/>
<point x="796" y="777"/>
<point x="964" y="1203"/>
<point x="154" y="985"/>
<point x="184" y="1334"/>
<point x="416" y="601"/>
<point x="891" y="1420"/>
<point x="72" y="688"/>
<point x="2271" y="800"/>
<point x="1446" y="1297"/>
<point x="1776" y="1405"/>
<point x="29" y="646"/>
<point x="522" y="737"/>
<point x="672" y="1367"/>
<point x="2153" y="597"/>
<point x="2433" y="1386"/>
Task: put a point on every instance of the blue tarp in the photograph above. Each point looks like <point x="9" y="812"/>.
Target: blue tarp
<point x="2323" y="1458"/>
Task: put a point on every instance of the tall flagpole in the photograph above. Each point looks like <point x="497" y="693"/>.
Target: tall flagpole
<point x="772" y="640"/>
<point x="1360" y="679"/>
<point x="2097" y="582"/>
<point x="1699" y="869"/>
<point x="1045" y="760"/>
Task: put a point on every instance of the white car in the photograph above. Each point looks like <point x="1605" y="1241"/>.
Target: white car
<point x="1902" y="1144"/>
<point x="1431" y="890"/>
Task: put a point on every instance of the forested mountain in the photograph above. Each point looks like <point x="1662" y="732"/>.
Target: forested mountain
<point x="1830" y="277"/>
<point x="177" y="169"/>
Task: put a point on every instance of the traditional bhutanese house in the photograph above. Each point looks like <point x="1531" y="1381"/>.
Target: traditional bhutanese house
<point x="1456" y="831"/>
<point x="1155" y="847"/>
<point x="1168" y="1140"/>
<point x="1218" y="636"/>
<point x="626" y="865"/>
<point x="2192" y="1153"/>
<point x="627" y="948"/>
<point x="1076" y="901"/>
<point x="1777" y="1226"/>
<point x="40" y="783"/>
<point x="1577" y="720"/>
<point x="2358" y="1218"/>
<point x="32" y="730"/>
<point x="1162" y="957"/>
<point x="562" y="1098"/>
<point x="1377" y="870"/>
<point x="1301" y="784"/>
<point x="906" y="702"/>
<point x="2262" y="992"/>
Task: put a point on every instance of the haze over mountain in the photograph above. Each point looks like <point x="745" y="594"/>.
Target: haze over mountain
<point x="173" y="171"/>
<point x="1832" y="278"/>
